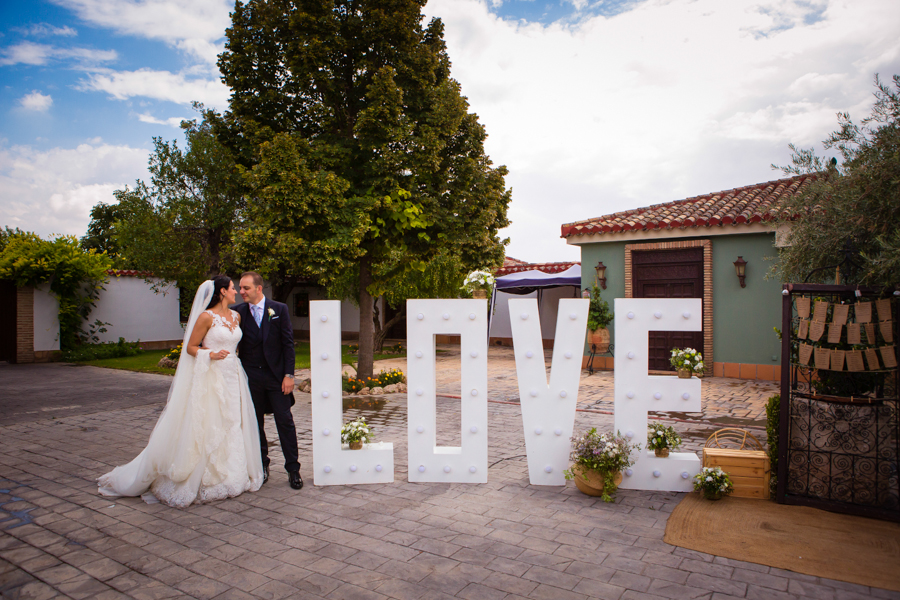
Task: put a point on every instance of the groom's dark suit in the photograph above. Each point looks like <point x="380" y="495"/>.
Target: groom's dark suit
<point x="267" y="355"/>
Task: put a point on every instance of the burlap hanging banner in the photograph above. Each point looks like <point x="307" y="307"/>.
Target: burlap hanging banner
<point x="816" y="329"/>
<point x="820" y="313"/>
<point x="834" y="333"/>
<point x="823" y="358"/>
<point x="888" y="357"/>
<point x="840" y="313"/>
<point x="837" y="360"/>
<point x="855" y="361"/>
<point x="872" y="359"/>
<point x="869" y="328"/>
<point x="863" y="312"/>
<point x="805" y="353"/>
<point x="884" y="309"/>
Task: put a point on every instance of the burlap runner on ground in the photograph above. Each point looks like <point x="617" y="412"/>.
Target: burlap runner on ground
<point x="796" y="538"/>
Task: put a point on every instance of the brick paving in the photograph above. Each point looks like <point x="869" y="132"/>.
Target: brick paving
<point x="505" y="539"/>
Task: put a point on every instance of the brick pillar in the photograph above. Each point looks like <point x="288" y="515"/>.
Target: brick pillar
<point x="25" y="324"/>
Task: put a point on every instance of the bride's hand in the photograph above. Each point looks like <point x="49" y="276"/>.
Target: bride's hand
<point x="218" y="355"/>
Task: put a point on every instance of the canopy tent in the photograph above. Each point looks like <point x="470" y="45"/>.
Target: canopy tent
<point x="526" y="282"/>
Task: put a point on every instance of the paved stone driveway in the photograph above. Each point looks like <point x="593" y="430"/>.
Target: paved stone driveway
<point x="506" y="539"/>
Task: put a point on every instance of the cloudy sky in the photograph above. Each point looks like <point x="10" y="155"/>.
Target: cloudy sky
<point x="594" y="107"/>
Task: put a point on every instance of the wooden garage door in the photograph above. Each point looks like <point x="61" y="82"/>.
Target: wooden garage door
<point x="669" y="274"/>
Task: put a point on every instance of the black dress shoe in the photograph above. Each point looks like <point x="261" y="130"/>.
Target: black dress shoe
<point x="265" y="474"/>
<point x="295" y="480"/>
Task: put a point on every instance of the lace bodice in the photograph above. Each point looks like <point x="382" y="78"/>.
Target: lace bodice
<point x="222" y="336"/>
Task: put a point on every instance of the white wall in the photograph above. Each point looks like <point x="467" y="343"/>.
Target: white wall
<point x="135" y="312"/>
<point x="500" y="327"/>
<point x="46" y="319"/>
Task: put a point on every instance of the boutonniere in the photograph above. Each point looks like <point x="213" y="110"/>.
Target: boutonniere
<point x="272" y="314"/>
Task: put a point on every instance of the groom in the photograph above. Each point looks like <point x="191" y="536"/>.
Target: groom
<point x="267" y="355"/>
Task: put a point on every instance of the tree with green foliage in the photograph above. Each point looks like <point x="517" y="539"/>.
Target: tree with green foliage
<point x="181" y="226"/>
<point x="101" y="232"/>
<point x="76" y="276"/>
<point x="440" y="279"/>
<point x="6" y="234"/>
<point x="350" y="104"/>
<point x="853" y="205"/>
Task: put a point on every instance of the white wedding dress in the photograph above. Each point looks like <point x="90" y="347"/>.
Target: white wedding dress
<point x="205" y="445"/>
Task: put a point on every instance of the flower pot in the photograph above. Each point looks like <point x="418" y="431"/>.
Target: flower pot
<point x="662" y="452"/>
<point x="600" y="340"/>
<point x="356" y="445"/>
<point x="713" y="495"/>
<point x="480" y="294"/>
<point x="684" y="373"/>
<point x="594" y="484"/>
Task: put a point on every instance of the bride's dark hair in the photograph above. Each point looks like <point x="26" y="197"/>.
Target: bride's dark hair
<point x="220" y="282"/>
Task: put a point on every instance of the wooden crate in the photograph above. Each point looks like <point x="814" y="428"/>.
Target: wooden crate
<point x="748" y="469"/>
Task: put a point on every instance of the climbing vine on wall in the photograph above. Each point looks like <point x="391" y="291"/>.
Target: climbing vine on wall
<point x="75" y="275"/>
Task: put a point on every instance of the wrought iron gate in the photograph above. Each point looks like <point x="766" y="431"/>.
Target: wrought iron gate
<point x="839" y="434"/>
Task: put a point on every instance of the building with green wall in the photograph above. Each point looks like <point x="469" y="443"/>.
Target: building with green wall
<point x="688" y="248"/>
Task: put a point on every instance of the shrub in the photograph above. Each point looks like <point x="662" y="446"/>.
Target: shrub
<point x="351" y="385"/>
<point x="389" y="377"/>
<point x="175" y="353"/>
<point x="87" y="352"/>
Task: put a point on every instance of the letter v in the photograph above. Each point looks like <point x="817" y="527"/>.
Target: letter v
<point x="548" y="411"/>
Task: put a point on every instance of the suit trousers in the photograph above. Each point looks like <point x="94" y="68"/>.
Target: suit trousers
<point x="269" y="398"/>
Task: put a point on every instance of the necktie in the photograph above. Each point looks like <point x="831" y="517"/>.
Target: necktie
<point x="257" y="314"/>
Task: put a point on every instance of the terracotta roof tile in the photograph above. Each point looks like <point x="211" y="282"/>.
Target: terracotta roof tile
<point x="128" y="273"/>
<point x="750" y="204"/>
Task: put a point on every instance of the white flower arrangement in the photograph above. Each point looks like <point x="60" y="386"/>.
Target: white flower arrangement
<point x="661" y="436"/>
<point x="687" y="358"/>
<point x="478" y="280"/>
<point x="271" y="314"/>
<point x="357" y="431"/>
<point x="713" y="481"/>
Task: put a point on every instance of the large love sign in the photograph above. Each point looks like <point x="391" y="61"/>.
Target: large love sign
<point x="548" y="407"/>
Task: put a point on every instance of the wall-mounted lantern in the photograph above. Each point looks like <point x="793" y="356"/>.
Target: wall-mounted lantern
<point x="740" y="267"/>
<point x="601" y="274"/>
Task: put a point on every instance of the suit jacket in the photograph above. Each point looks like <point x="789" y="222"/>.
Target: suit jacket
<point x="277" y="336"/>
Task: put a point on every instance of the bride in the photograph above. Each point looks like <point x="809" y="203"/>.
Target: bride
<point x="205" y="445"/>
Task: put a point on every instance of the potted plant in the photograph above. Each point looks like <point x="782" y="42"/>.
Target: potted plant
<point x="478" y="283"/>
<point x="713" y="483"/>
<point x="356" y="433"/>
<point x="599" y="459"/>
<point x="662" y="438"/>
<point x="599" y="316"/>
<point x="687" y="362"/>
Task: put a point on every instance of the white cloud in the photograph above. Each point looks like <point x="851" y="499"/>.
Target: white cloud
<point x="670" y="99"/>
<point x="29" y="53"/>
<point x="191" y="25"/>
<point x="53" y="191"/>
<point x="171" y="121"/>
<point x="36" y="101"/>
<point x="45" y="29"/>
<point x="160" y="85"/>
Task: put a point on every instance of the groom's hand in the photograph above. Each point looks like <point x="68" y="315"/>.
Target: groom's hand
<point x="287" y="386"/>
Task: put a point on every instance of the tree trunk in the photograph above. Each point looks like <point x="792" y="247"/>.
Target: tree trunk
<point x="381" y="332"/>
<point x="366" y="326"/>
